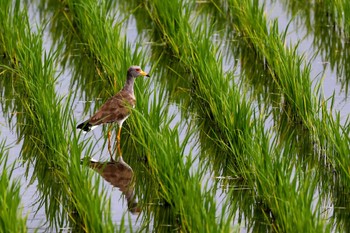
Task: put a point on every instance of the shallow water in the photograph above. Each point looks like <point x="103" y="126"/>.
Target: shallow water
<point x="274" y="10"/>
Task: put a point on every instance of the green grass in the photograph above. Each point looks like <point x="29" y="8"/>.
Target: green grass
<point x="47" y="146"/>
<point x="329" y="24"/>
<point x="11" y="216"/>
<point x="232" y="132"/>
<point x="281" y="151"/>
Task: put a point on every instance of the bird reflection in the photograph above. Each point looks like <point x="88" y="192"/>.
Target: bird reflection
<point x="119" y="174"/>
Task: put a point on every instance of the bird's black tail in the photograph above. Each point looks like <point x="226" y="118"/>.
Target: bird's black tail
<point x="86" y="126"/>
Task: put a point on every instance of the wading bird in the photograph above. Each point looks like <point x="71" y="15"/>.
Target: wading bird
<point x="116" y="108"/>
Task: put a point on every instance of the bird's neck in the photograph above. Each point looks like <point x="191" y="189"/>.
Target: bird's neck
<point x="129" y="85"/>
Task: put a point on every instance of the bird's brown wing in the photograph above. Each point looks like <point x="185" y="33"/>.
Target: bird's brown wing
<point x="115" y="109"/>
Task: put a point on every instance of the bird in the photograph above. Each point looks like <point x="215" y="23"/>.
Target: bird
<point x="116" y="109"/>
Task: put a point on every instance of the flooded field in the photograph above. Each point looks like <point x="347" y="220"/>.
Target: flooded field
<point x="242" y="125"/>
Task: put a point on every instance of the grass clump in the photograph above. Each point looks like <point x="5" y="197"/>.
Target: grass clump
<point x="274" y="174"/>
<point x="173" y="196"/>
<point x="227" y="118"/>
<point x="11" y="217"/>
<point x="43" y="124"/>
<point x="326" y="22"/>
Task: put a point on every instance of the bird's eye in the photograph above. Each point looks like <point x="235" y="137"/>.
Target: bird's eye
<point x="138" y="70"/>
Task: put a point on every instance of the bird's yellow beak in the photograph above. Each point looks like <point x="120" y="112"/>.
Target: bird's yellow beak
<point x="143" y="73"/>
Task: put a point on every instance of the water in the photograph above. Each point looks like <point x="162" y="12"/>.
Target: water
<point x="320" y="68"/>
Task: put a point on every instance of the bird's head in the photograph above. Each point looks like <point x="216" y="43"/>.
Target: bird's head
<point x="136" y="71"/>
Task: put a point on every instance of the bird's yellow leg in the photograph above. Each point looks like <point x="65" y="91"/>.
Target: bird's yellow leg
<point x="109" y="143"/>
<point x="118" y="141"/>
